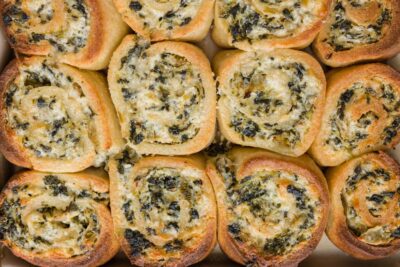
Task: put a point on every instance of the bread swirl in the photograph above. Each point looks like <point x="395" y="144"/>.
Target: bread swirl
<point x="184" y="20"/>
<point x="55" y="117"/>
<point x="272" y="209"/>
<point x="361" y="114"/>
<point x="272" y="100"/>
<point x="82" y="33"/>
<point x="359" y="30"/>
<point x="268" y="24"/>
<point x="58" y="219"/>
<point x="167" y="106"/>
<point x="163" y="208"/>
<point x="364" y="214"/>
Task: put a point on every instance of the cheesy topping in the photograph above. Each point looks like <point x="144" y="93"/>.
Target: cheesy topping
<point x="67" y="30"/>
<point x="163" y="99"/>
<point x="371" y="201"/>
<point x="53" y="216"/>
<point x="271" y="211"/>
<point x="48" y="112"/>
<point x="273" y="99"/>
<point x="165" y="14"/>
<point x="366" y="112"/>
<point x="164" y="209"/>
<point x="346" y="33"/>
<point x="266" y="19"/>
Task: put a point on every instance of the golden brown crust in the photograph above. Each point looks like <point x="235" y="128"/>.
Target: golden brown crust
<point x="106" y="31"/>
<point x="106" y="246"/>
<point x="337" y="229"/>
<point x="387" y="46"/>
<point x="105" y="136"/>
<point x="194" y="30"/>
<point x="247" y="160"/>
<point x="222" y="36"/>
<point x="205" y="236"/>
<point x="378" y="103"/>
<point x="197" y="61"/>
<point x="227" y="63"/>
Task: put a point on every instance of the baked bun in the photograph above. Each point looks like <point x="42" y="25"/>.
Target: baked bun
<point x="272" y="209"/>
<point x="165" y="96"/>
<point x="163" y="208"/>
<point x="54" y="117"/>
<point x="358" y="31"/>
<point x="82" y="33"/>
<point x="362" y="113"/>
<point x="52" y="219"/>
<point x="272" y="100"/>
<point x="184" y="20"/>
<point x="365" y="206"/>
<point x="268" y="24"/>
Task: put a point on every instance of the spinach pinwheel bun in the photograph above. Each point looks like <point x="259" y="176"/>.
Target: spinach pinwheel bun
<point x="184" y="20"/>
<point x="271" y="100"/>
<point x="364" y="217"/>
<point x="82" y="33"/>
<point x="359" y="30"/>
<point x="165" y="96"/>
<point x="164" y="209"/>
<point x="54" y="220"/>
<point x="268" y="24"/>
<point x="272" y="209"/>
<point x="362" y="113"/>
<point x="54" y="117"/>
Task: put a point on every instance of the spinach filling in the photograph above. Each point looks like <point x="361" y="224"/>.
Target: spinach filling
<point x="256" y="99"/>
<point x="66" y="40"/>
<point x="382" y="192"/>
<point x="71" y="229"/>
<point x="247" y="23"/>
<point x="180" y="13"/>
<point x="164" y="99"/>
<point x="163" y="196"/>
<point x="345" y="34"/>
<point x="267" y="197"/>
<point x="44" y="124"/>
<point x="347" y="132"/>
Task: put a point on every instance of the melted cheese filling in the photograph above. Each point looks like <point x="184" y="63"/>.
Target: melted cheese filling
<point x="272" y="99"/>
<point x="163" y="14"/>
<point x="345" y="33"/>
<point x="164" y="210"/>
<point x="271" y="211"/>
<point x="70" y="34"/>
<point x="53" y="217"/>
<point x="366" y="112"/>
<point x="50" y="122"/>
<point x="371" y="201"/>
<point x="163" y="99"/>
<point x="268" y="18"/>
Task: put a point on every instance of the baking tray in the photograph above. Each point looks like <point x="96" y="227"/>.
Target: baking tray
<point x="325" y="255"/>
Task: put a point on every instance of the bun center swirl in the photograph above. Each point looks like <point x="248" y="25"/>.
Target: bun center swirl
<point x="52" y="217"/>
<point x="263" y="19"/>
<point x="64" y="24"/>
<point x="273" y="211"/>
<point x="164" y="97"/>
<point x="164" y="211"/>
<point x="161" y="14"/>
<point x="357" y="22"/>
<point x="366" y="111"/>
<point x="50" y="115"/>
<point x="272" y="99"/>
<point x="371" y="201"/>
